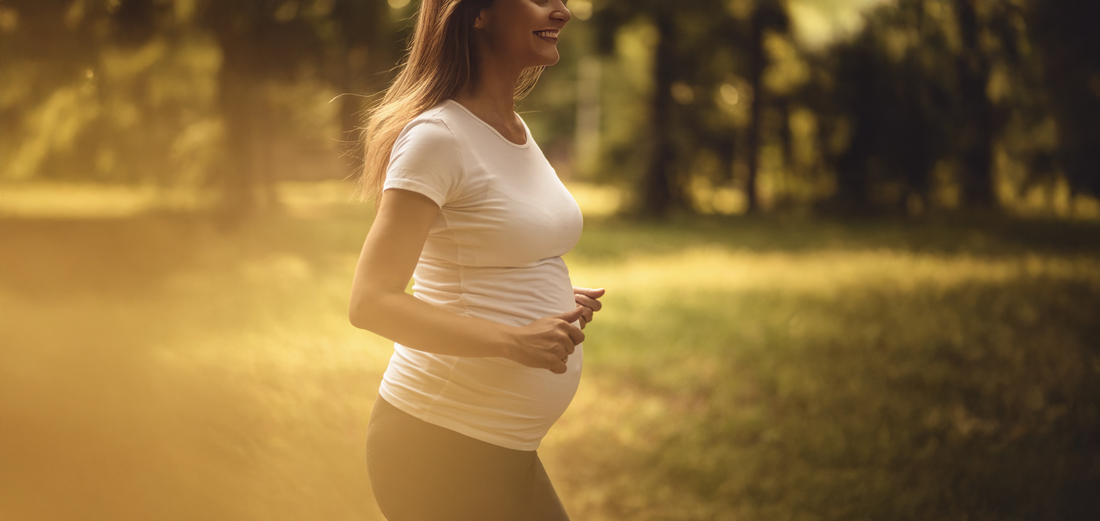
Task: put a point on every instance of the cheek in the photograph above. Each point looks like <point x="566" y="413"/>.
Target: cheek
<point x="509" y="40"/>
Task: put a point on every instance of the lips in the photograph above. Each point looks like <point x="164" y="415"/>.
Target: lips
<point x="548" y="34"/>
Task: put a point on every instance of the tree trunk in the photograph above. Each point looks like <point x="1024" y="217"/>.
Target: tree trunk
<point x="243" y="184"/>
<point x="853" y="190"/>
<point x="658" y="189"/>
<point x="977" y="140"/>
<point x="1070" y="48"/>
<point x="860" y="73"/>
<point x="756" y="79"/>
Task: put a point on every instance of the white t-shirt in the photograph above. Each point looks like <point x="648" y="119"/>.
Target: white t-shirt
<point x="493" y="252"/>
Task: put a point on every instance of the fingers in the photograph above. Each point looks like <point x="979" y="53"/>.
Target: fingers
<point x="555" y="338"/>
<point x="572" y="316"/>
<point x="589" y="292"/>
<point x="573" y="334"/>
<point x="586" y="315"/>
<point x="587" y="299"/>
<point x="556" y="360"/>
<point x="561" y="365"/>
<point x="576" y="335"/>
<point x="589" y="302"/>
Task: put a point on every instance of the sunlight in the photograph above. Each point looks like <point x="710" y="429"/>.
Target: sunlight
<point x="596" y="200"/>
<point x="823" y="273"/>
<point x="582" y="9"/>
<point x="815" y="307"/>
<point x="74" y="200"/>
<point x="820" y="22"/>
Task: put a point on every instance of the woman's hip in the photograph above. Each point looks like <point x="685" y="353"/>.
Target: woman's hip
<point x="423" y="471"/>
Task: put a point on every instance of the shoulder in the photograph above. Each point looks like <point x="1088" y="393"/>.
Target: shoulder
<point x="427" y="158"/>
<point x="428" y="140"/>
<point x="430" y="129"/>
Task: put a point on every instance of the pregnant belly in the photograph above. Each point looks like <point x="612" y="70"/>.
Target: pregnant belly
<point x="492" y="399"/>
<point x="513" y="296"/>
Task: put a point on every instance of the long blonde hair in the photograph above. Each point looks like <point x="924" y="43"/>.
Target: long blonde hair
<point x="440" y="64"/>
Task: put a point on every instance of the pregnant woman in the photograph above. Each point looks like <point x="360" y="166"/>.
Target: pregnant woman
<point x="488" y="350"/>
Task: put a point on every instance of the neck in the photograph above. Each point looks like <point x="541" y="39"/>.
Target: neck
<point x="491" y="94"/>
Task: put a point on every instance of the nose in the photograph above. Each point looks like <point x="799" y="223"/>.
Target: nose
<point x="562" y="13"/>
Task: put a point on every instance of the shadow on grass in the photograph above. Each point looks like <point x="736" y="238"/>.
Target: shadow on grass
<point x="975" y="402"/>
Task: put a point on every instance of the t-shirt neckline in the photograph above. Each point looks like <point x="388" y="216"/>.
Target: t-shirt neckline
<point x="526" y="131"/>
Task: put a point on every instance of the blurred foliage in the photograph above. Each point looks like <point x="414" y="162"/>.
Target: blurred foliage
<point x="710" y="106"/>
<point x="932" y="104"/>
<point x="191" y="94"/>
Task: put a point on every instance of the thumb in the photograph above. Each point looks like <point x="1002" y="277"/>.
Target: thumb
<point x="571" y="316"/>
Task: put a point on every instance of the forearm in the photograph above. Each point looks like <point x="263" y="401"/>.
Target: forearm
<point x="414" y="323"/>
<point x="380" y="304"/>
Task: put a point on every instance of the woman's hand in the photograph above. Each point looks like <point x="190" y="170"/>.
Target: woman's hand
<point x="588" y="301"/>
<point x="547" y="342"/>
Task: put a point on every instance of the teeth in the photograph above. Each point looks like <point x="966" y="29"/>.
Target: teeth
<point x="552" y="33"/>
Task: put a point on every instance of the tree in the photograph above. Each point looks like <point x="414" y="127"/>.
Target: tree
<point x="980" y="125"/>
<point x="694" y="40"/>
<point x="266" y="41"/>
<point x="1070" y="48"/>
<point x="60" y="45"/>
<point x="767" y="16"/>
<point x="49" y="53"/>
<point x="658" y="184"/>
<point x="893" y="107"/>
<point x="914" y="98"/>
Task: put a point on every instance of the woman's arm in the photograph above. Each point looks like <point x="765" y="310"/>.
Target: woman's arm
<point x="379" y="303"/>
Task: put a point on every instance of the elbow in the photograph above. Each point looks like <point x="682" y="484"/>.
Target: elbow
<point x="371" y="307"/>
<point x="360" y="313"/>
<point x="354" y="318"/>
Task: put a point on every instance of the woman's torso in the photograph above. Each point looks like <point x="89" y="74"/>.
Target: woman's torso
<point x="494" y="252"/>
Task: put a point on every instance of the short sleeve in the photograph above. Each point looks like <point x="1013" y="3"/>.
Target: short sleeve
<point x="426" y="160"/>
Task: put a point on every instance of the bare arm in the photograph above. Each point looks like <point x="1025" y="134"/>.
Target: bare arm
<point x="379" y="302"/>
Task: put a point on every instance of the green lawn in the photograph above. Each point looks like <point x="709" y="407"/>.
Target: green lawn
<point x="156" y="366"/>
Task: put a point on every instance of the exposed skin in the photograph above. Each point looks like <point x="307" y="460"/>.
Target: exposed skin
<point x="506" y="43"/>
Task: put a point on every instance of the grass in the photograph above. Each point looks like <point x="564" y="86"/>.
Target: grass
<point x="155" y="366"/>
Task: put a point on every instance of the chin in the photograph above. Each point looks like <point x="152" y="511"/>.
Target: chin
<point x="549" y="60"/>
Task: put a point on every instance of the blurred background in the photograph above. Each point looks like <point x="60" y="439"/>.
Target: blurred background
<point x="851" y="247"/>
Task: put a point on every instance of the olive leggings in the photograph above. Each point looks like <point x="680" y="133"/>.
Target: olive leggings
<point x="423" y="472"/>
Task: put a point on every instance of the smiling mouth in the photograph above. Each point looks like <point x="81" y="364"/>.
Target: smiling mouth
<point x="549" y="34"/>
